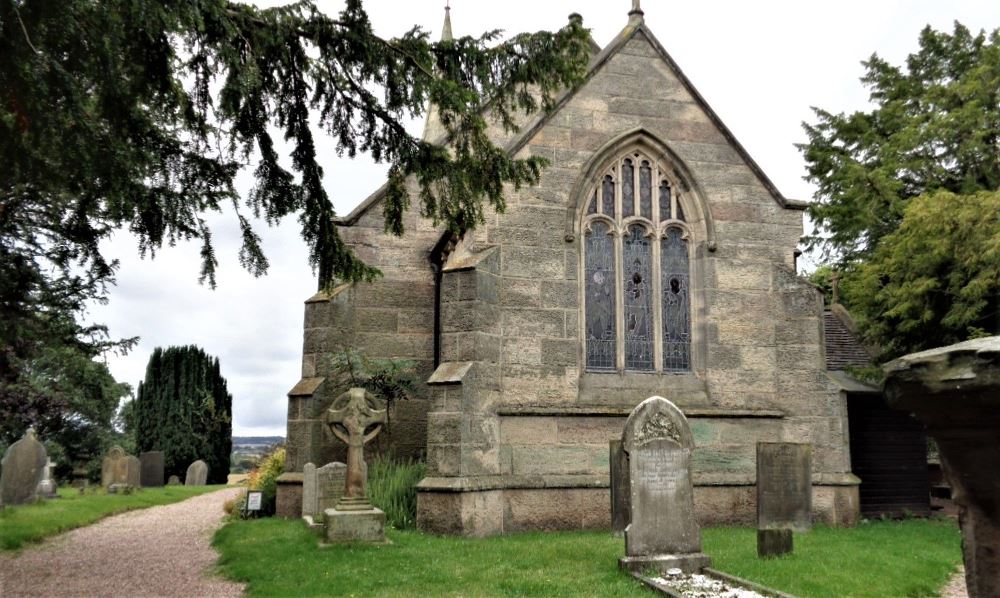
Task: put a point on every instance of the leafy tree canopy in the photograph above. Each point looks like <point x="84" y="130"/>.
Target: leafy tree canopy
<point x="936" y="279"/>
<point x="934" y="125"/>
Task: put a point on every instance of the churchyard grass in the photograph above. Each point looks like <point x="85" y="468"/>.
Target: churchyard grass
<point x="24" y="524"/>
<point x="280" y="557"/>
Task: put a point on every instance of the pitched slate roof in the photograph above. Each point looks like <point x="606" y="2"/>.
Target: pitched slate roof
<point x="842" y="347"/>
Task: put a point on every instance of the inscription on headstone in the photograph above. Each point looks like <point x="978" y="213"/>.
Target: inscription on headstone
<point x="662" y="533"/>
<point x="197" y="474"/>
<point x="330" y="484"/>
<point x="620" y="500"/>
<point x="151" y="473"/>
<point x="784" y="486"/>
<point x="23" y="466"/>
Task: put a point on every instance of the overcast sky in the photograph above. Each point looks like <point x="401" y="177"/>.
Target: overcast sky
<point x="761" y="65"/>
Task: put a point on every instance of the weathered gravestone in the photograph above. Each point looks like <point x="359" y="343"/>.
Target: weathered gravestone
<point x="114" y="469"/>
<point x="151" y="471"/>
<point x="955" y="392"/>
<point x="174" y="481"/>
<point x="662" y="533"/>
<point x="23" y="466"/>
<point x="48" y="488"/>
<point x="784" y="495"/>
<point x="322" y="487"/>
<point x="197" y="474"/>
<point x="620" y="511"/>
<point x="310" y="491"/>
<point x="133" y="471"/>
<point x="356" y="417"/>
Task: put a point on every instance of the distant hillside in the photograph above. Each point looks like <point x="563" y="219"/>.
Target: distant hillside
<point x="257" y="440"/>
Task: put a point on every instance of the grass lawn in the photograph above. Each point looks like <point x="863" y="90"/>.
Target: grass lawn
<point x="281" y="558"/>
<point x="31" y="523"/>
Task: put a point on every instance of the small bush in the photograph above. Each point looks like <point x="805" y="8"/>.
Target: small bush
<point x="265" y="480"/>
<point x="392" y="487"/>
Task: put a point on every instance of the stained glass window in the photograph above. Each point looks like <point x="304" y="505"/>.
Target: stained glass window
<point x="621" y="301"/>
<point x="664" y="201"/>
<point x="637" y="282"/>
<point x="600" y="298"/>
<point x="608" y="196"/>
<point x="628" y="188"/>
<point x="675" y="287"/>
<point x="645" y="191"/>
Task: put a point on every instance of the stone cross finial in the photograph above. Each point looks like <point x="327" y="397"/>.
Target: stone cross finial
<point x="349" y="417"/>
<point x="636" y="9"/>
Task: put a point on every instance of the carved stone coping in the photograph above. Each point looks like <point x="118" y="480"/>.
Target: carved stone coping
<point x="306" y="387"/>
<point x="468" y="262"/>
<point x="603" y="411"/>
<point x="552" y="481"/>
<point x="449" y="372"/>
<point x="325" y="296"/>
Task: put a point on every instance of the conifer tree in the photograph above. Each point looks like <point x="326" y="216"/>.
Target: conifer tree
<point x="183" y="408"/>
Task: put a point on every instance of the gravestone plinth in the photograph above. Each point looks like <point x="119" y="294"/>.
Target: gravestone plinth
<point x="23" y="466"/>
<point x="619" y="487"/>
<point x="784" y="495"/>
<point x="662" y="533"/>
<point x="197" y="474"/>
<point x="955" y="392"/>
<point x="151" y="470"/>
<point x="356" y="417"/>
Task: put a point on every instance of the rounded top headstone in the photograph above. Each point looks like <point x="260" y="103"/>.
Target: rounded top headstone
<point x="656" y="420"/>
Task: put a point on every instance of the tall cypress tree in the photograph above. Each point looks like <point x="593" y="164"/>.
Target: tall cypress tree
<point x="183" y="408"/>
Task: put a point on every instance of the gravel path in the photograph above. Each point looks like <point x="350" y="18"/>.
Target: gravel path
<point x="160" y="551"/>
<point x="956" y="587"/>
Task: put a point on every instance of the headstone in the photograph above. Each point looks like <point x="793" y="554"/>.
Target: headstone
<point x="197" y="474"/>
<point x="23" y="466"/>
<point x="955" y="392"/>
<point x="114" y="468"/>
<point x="619" y="488"/>
<point x="151" y="472"/>
<point x="662" y="533"/>
<point x="133" y="471"/>
<point x="48" y="488"/>
<point x="355" y="417"/>
<point x="310" y="491"/>
<point x="784" y="495"/>
<point x="330" y="481"/>
<point x="174" y="481"/>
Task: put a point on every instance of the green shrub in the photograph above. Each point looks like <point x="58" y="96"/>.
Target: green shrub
<point x="265" y="480"/>
<point x="392" y="487"/>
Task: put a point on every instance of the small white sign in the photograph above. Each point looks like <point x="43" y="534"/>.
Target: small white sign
<point x="253" y="500"/>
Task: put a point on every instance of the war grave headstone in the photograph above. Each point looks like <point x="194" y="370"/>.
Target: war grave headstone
<point x="48" y="488"/>
<point x="174" y="481"/>
<point x="151" y="472"/>
<point x="355" y="417"/>
<point x="197" y="474"/>
<point x="955" y="392"/>
<point x="620" y="502"/>
<point x="784" y="495"/>
<point x="23" y="466"/>
<point x="662" y="533"/>
<point x="115" y="470"/>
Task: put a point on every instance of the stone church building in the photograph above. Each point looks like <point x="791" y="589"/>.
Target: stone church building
<point x="653" y="258"/>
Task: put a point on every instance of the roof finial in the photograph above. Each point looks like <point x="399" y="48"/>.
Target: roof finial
<point x="446" y="30"/>
<point x="636" y="9"/>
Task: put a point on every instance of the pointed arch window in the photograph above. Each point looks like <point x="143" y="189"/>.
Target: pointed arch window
<point x="636" y="289"/>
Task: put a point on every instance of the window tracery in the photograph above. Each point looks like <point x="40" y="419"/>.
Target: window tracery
<point x="636" y="271"/>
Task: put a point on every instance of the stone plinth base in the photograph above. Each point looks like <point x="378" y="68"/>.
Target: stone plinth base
<point x="355" y="526"/>
<point x="289" y="496"/>
<point x="773" y="542"/>
<point x="688" y="563"/>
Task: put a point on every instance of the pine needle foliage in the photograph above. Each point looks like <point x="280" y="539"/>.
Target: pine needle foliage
<point x="183" y="408"/>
